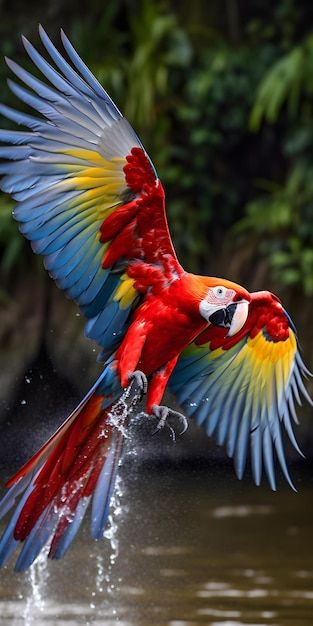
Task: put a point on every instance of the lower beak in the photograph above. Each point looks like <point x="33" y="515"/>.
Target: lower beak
<point x="234" y="316"/>
<point x="239" y="318"/>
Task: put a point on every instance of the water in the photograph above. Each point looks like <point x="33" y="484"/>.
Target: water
<point x="188" y="547"/>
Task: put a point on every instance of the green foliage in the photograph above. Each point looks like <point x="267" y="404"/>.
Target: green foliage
<point x="282" y="221"/>
<point x="288" y="82"/>
<point x="223" y="103"/>
<point x="160" y="46"/>
<point x="208" y="161"/>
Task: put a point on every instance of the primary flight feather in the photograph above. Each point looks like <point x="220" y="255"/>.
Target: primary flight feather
<point x="90" y="201"/>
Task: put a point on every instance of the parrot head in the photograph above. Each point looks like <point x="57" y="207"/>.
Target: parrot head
<point x="225" y="304"/>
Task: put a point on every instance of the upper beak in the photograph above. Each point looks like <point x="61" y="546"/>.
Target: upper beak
<point x="234" y="316"/>
<point x="240" y="316"/>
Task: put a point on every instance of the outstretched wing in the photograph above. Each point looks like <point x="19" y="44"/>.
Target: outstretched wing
<point x="88" y="196"/>
<point x="243" y="388"/>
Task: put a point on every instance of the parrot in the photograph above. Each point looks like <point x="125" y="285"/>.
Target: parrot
<point x="90" y="201"/>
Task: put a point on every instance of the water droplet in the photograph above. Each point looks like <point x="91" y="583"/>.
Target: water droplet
<point x="38" y="579"/>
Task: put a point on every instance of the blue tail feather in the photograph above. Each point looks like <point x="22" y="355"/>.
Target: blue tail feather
<point x="104" y="488"/>
<point x="72" y="530"/>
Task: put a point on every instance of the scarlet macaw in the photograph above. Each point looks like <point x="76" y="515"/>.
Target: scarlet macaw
<point x="90" y="201"/>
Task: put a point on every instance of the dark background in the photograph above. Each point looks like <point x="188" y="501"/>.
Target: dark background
<point x="221" y="94"/>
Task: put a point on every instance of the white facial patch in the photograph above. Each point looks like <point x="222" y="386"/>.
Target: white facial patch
<point x="220" y="295"/>
<point x="216" y="298"/>
<point x="206" y="309"/>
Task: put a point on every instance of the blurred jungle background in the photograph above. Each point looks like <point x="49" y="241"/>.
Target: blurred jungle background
<point x="221" y="94"/>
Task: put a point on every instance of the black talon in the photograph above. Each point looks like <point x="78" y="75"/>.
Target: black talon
<point x="161" y="413"/>
<point x="183" y="420"/>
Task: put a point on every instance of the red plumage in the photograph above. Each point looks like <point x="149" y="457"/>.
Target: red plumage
<point x="120" y="218"/>
<point x="138" y="171"/>
<point x="72" y="468"/>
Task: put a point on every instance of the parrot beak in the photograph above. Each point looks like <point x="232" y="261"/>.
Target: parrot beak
<point x="234" y="316"/>
<point x="239" y="318"/>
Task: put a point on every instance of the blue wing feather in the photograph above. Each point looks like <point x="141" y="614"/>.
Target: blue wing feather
<point x="227" y="394"/>
<point x="256" y="454"/>
<point x="268" y="458"/>
<point x="61" y="220"/>
<point x="89" y="77"/>
<point x="65" y="68"/>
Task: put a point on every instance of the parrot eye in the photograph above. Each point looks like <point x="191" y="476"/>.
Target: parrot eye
<point x="219" y="292"/>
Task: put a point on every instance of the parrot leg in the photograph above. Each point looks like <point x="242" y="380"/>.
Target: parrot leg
<point x="163" y="413"/>
<point x="157" y="385"/>
<point x="129" y="352"/>
<point x="139" y="379"/>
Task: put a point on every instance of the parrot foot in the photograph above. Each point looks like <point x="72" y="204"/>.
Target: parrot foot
<point x="140" y="380"/>
<point x="163" y="413"/>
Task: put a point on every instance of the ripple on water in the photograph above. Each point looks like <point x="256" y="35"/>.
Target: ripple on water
<point x="52" y="610"/>
<point x="218" y="613"/>
<point x="302" y="573"/>
<point x="206" y="570"/>
<point x="172" y="573"/>
<point x="243" y="510"/>
<point x="232" y="623"/>
<point x="233" y="593"/>
<point x="132" y="591"/>
<point x="216" y="585"/>
<point x="179" y="622"/>
<point x="165" y="550"/>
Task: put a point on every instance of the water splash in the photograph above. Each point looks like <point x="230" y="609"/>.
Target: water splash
<point x="118" y="417"/>
<point x="116" y="512"/>
<point x="107" y="585"/>
<point x="120" y="412"/>
<point x="103" y="578"/>
<point x="100" y="577"/>
<point x="38" y="576"/>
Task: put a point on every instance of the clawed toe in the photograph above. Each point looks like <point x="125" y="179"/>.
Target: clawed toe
<point x="163" y="413"/>
<point x="140" y="380"/>
<point x="182" y="420"/>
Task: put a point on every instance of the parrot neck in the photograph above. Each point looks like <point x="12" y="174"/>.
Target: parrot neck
<point x="187" y="293"/>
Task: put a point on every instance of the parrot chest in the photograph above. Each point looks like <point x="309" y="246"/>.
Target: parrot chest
<point x="170" y="330"/>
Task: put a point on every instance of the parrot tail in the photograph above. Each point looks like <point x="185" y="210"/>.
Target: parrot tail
<point x="78" y="463"/>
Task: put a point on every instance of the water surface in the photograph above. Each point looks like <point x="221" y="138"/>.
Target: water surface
<point x="194" y="546"/>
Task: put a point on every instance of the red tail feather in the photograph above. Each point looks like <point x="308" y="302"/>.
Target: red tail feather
<point x="77" y="464"/>
<point x="80" y="449"/>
